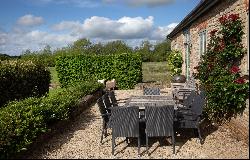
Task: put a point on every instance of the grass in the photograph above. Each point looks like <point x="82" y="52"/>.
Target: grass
<point x="156" y="72"/>
<point x="152" y="72"/>
<point x="54" y="78"/>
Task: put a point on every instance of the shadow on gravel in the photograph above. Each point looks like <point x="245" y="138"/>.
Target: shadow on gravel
<point x="181" y="138"/>
<point x="60" y="134"/>
<point x="185" y="134"/>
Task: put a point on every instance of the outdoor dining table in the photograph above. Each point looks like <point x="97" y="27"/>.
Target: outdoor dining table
<point x="143" y="100"/>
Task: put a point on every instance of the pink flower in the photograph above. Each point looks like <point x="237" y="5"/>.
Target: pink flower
<point x="212" y="33"/>
<point x="233" y="17"/>
<point x="223" y="19"/>
<point x="235" y="69"/>
<point x="240" y="80"/>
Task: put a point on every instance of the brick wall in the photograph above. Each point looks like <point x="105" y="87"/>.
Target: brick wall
<point x="209" y="21"/>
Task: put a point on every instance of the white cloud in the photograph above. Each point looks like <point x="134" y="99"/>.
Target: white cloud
<point x="161" y="32"/>
<point x="33" y="40"/>
<point x="98" y="29"/>
<point x="30" y="20"/>
<point x="105" y="28"/>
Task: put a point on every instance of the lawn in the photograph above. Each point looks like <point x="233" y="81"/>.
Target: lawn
<point x="54" y="78"/>
<point x="156" y="72"/>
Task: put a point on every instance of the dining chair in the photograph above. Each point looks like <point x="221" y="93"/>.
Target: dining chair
<point x="105" y="117"/>
<point x="107" y="102"/>
<point x="192" y="118"/>
<point x="125" y="123"/>
<point x="113" y="98"/>
<point x="151" y="91"/>
<point x="159" y="122"/>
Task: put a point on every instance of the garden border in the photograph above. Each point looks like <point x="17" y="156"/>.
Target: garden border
<point x="59" y="127"/>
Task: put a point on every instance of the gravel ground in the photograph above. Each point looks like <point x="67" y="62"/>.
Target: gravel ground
<point x="81" y="140"/>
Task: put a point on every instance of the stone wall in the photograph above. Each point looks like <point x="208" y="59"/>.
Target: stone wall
<point x="209" y="22"/>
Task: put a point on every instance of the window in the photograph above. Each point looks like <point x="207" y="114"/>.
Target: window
<point x="203" y="41"/>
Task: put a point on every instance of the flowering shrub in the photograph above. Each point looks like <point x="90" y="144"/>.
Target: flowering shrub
<point x="219" y="73"/>
<point x="175" y="62"/>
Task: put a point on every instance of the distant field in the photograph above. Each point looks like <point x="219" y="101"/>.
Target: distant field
<point x="152" y="72"/>
<point x="156" y="71"/>
<point x="54" y="78"/>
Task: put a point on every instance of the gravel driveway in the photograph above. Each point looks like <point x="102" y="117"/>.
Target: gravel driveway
<point x="82" y="140"/>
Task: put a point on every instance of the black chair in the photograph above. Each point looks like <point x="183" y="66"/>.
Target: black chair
<point x="105" y="117"/>
<point x="113" y="98"/>
<point x="125" y="123"/>
<point x="159" y="122"/>
<point x="107" y="102"/>
<point x="151" y="91"/>
<point x="192" y="118"/>
<point x="187" y="101"/>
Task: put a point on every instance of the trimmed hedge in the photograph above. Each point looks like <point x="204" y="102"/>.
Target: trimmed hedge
<point x="125" y="68"/>
<point x="22" y="121"/>
<point x="20" y="79"/>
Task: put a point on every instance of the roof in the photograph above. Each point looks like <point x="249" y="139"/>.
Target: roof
<point x="198" y="11"/>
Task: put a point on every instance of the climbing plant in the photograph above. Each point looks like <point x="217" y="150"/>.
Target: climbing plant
<point x="219" y="72"/>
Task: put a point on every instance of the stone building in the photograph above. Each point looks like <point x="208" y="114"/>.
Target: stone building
<point x="191" y="36"/>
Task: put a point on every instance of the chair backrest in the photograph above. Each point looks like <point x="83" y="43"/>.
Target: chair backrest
<point x="197" y="105"/>
<point x="102" y="109"/>
<point x="189" y="100"/>
<point x="151" y="91"/>
<point x="191" y="82"/>
<point x="202" y="94"/>
<point x="125" y="121"/>
<point x="159" y="120"/>
<point x="182" y="93"/>
<point x="106" y="101"/>
<point x="112" y="98"/>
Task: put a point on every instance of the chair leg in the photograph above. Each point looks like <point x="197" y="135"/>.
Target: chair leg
<point x="103" y="128"/>
<point x="139" y="145"/>
<point x="126" y="140"/>
<point x="199" y="132"/>
<point x="113" y="143"/>
<point x="173" y="142"/>
<point x="147" y="143"/>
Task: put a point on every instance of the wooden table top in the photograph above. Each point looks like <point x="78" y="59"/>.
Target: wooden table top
<point x="142" y="101"/>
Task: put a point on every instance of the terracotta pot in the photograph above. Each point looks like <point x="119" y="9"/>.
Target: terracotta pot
<point x="179" y="79"/>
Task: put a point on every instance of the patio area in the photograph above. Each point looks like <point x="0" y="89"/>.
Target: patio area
<point x="81" y="139"/>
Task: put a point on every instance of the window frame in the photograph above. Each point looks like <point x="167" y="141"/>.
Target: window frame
<point x="202" y="42"/>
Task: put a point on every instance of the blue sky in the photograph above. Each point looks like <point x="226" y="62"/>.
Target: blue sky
<point x="32" y="24"/>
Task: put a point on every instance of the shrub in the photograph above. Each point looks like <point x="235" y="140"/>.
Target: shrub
<point x="20" y="79"/>
<point x="125" y="68"/>
<point x="22" y="121"/>
<point x="175" y="61"/>
<point x="219" y="73"/>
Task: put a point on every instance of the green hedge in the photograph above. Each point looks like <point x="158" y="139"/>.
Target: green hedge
<point x="20" y="79"/>
<point x="22" y="121"/>
<point x="125" y="68"/>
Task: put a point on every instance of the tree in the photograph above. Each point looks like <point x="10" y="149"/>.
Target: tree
<point x="145" y="50"/>
<point x="116" y="47"/>
<point x="80" y="46"/>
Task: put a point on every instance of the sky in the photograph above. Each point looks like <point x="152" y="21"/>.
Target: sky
<point x="33" y="24"/>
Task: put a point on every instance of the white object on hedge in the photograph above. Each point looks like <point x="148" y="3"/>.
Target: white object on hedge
<point x="101" y="81"/>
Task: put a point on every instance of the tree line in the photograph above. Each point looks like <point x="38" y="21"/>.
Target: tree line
<point x="150" y="52"/>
